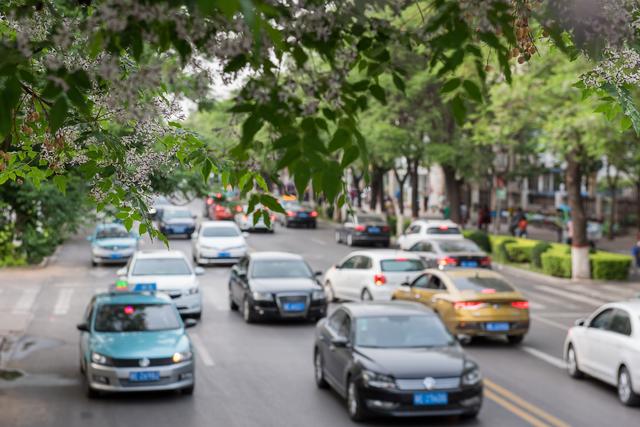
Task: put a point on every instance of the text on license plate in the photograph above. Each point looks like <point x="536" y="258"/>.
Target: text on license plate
<point x="431" y="398"/>
<point x="468" y="263"/>
<point x="374" y="229"/>
<point x="179" y="229"/>
<point x="116" y="256"/>
<point x="144" y="376"/>
<point x="293" y="306"/>
<point x="302" y="214"/>
<point x="224" y="254"/>
<point x="497" y="326"/>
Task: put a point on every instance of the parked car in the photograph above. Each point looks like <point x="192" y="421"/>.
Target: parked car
<point x="422" y="229"/>
<point x="471" y="302"/>
<point x="177" y="220"/>
<point x="395" y="359"/>
<point x="276" y="285"/>
<point x="442" y="253"/>
<point x="371" y="275"/>
<point x="364" y="229"/>
<point x="300" y="215"/>
<point x="112" y="243"/>
<point x="218" y="242"/>
<point x="606" y="346"/>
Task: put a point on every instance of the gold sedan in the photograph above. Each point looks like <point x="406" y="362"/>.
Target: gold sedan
<point x="471" y="302"/>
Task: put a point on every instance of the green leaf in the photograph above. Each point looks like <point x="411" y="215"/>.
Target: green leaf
<point x="261" y="182"/>
<point x="299" y="56"/>
<point x="350" y="155"/>
<point x="142" y="228"/>
<point x="341" y="137"/>
<point x="285" y="141"/>
<point x="625" y="123"/>
<point x="128" y="223"/>
<point x="207" y="166"/>
<point x="58" y="113"/>
<point x="301" y="178"/>
<point x="473" y="90"/>
<point x="459" y="109"/>
<point x="244" y="180"/>
<point x="450" y="85"/>
<point x="378" y="92"/>
<point x="242" y="108"/>
<point x="61" y="182"/>
<point x="272" y="203"/>
<point x="361" y="85"/>
<point x="399" y="82"/>
<point x="236" y="63"/>
<point x="250" y="127"/>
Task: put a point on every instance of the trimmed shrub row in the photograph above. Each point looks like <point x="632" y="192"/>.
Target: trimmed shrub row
<point x="480" y="238"/>
<point x="609" y="266"/>
<point x="556" y="263"/>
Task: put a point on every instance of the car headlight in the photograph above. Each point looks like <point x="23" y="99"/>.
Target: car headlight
<point x="181" y="356"/>
<point x="193" y="290"/>
<point x="262" y="296"/>
<point x="318" y="295"/>
<point x="100" y="359"/>
<point x="373" y="379"/>
<point x="471" y="374"/>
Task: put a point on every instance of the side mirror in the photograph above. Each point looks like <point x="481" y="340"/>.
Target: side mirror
<point x="122" y="271"/>
<point x="579" y="322"/>
<point x="337" y="266"/>
<point x="82" y="327"/>
<point x="245" y="234"/>
<point x="405" y="284"/>
<point x="194" y="216"/>
<point x="318" y="273"/>
<point x="189" y="323"/>
<point x="199" y="271"/>
<point x="340" y="342"/>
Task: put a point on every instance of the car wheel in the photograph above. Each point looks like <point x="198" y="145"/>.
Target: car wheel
<point x="314" y="225"/>
<point x="94" y="263"/>
<point x="515" y="339"/>
<point x="338" y="237"/>
<point x="232" y="304"/>
<point x="89" y="391"/>
<point x="572" y="363"/>
<point x="354" y="403"/>
<point x="386" y="244"/>
<point x="318" y="365"/>
<point x="349" y="240"/>
<point x="247" y="312"/>
<point x="328" y="291"/>
<point x="366" y="295"/>
<point x="625" y="388"/>
<point x="470" y="415"/>
<point x="197" y="316"/>
<point x="188" y="390"/>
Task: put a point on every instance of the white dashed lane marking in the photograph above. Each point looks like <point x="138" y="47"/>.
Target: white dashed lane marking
<point x="63" y="302"/>
<point x="201" y="350"/>
<point x="26" y="300"/>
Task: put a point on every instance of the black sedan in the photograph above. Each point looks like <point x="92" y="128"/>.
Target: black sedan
<point x="276" y="285"/>
<point x="299" y="215"/>
<point x="395" y="359"/>
<point x="364" y="229"/>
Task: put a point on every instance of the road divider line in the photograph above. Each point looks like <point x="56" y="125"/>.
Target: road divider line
<point x="26" y="300"/>
<point x="201" y="350"/>
<point x="565" y="315"/>
<point x="576" y="297"/>
<point x="533" y="409"/>
<point x="63" y="302"/>
<point x="621" y="292"/>
<point x="549" y="322"/>
<point x="548" y="299"/>
<point x="318" y="241"/>
<point x="514" y="409"/>
<point x="552" y="360"/>
<point x="536" y="305"/>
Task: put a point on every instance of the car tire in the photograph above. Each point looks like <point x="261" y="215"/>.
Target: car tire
<point x="89" y="391"/>
<point x="349" y="239"/>
<point x="247" y="312"/>
<point x="365" y="295"/>
<point x="188" y="391"/>
<point x="197" y="316"/>
<point x="515" y="339"/>
<point x="625" y="388"/>
<point x="470" y="415"/>
<point x="355" y="405"/>
<point x="338" y="237"/>
<point x="329" y="292"/>
<point x="94" y="263"/>
<point x="314" y="225"/>
<point x="386" y="244"/>
<point x="573" y="369"/>
<point x="318" y="366"/>
<point x="232" y="304"/>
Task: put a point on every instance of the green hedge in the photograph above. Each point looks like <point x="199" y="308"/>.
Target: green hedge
<point x="556" y="263"/>
<point x="537" y="251"/>
<point x="520" y="250"/>
<point x="480" y="238"/>
<point x="610" y="266"/>
<point x="501" y="254"/>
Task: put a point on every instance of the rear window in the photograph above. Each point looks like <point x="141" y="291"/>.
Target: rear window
<point x="487" y="285"/>
<point x="161" y="267"/>
<point x="399" y="265"/>
<point x="371" y="219"/>
<point x="459" y="246"/>
<point x="443" y="229"/>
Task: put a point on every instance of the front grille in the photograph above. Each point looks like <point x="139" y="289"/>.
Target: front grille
<point x="160" y="382"/>
<point x="135" y="363"/>
<point x="418" y="384"/>
<point x="282" y="299"/>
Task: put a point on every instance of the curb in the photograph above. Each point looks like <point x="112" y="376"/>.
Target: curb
<point x="555" y="280"/>
<point x="46" y="260"/>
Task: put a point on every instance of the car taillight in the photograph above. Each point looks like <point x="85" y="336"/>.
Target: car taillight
<point x="447" y="261"/>
<point x="272" y="217"/>
<point x="379" y="279"/>
<point x="238" y="208"/>
<point x="209" y="201"/>
<point x="291" y="213"/>
<point x="219" y="208"/>
<point x="486" y="261"/>
<point x="314" y="214"/>
<point x="467" y="305"/>
<point x="522" y="305"/>
<point x="385" y="228"/>
<point x="360" y="228"/>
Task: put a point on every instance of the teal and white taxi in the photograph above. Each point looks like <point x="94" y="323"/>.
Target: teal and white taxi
<point x="135" y="341"/>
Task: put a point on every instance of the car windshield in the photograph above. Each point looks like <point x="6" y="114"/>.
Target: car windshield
<point x="371" y="219"/>
<point x="220" y="232"/>
<point x="136" y="318"/>
<point x="401" y="264"/>
<point x="171" y="214"/>
<point x="286" y="268"/>
<point x="459" y="246"/>
<point x="401" y="332"/>
<point x="443" y="229"/>
<point x="112" y="233"/>
<point x="487" y="285"/>
<point x="161" y="267"/>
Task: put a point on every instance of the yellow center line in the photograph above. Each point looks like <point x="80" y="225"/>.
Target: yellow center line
<point x="514" y="409"/>
<point x="540" y="413"/>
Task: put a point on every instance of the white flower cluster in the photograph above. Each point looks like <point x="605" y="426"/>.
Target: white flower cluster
<point x="618" y="67"/>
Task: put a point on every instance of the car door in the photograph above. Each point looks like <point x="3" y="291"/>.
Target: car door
<point x="84" y="335"/>
<point x="617" y="345"/>
<point x="596" y="338"/>
<point x="427" y="252"/>
<point x="410" y="236"/>
<point x="410" y="292"/>
<point x="342" y="276"/>
<point x="194" y="241"/>
<point x="337" y="358"/>
<point x="238" y="278"/>
<point x="427" y="291"/>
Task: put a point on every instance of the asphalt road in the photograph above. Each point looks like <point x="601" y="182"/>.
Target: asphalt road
<point x="261" y="374"/>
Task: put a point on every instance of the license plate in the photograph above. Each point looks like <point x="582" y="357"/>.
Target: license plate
<point x="116" y="256"/>
<point x="144" y="287"/>
<point x="431" y="398"/>
<point x="224" y="254"/>
<point x="497" y="327"/>
<point x="294" y="306"/>
<point x="468" y="263"/>
<point x="374" y="229"/>
<point x="144" y="376"/>
<point x="179" y="230"/>
<point x="303" y="215"/>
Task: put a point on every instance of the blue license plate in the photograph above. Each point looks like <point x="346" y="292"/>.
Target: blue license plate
<point x="497" y="327"/>
<point x="116" y="256"/>
<point x="294" y="306"/>
<point x="144" y="376"/>
<point x="374" y="230"/>
<point x="145" y="287"/>
<point x="431" y="398"/>
<point x="179" y="230"/>
<point x="303" y="214"/>
<point x="468" y="263"/>
<point x="224" y="254"/>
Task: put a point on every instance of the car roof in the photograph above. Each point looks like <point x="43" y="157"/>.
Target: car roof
<point x="274" y="255"/>
<point x="386" y="308"/>
<point x="385" y="254"/>
<point x="159" y="253"/>
<point x="436" y="222"/>
<point x="218" y="224"/>
<point x="632" y="305"/>
<point x="131" y="298"/>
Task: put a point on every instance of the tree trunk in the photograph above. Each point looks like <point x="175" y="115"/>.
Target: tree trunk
<point x="612" y="183"/>
<point x="453" y="193"/>
<point x="373" y="195"/>
<point x="381" y="192"/>
<point x="415" y="200"/>
<point x="638" y="205"/>
<point x="356" y="182"/>
<point x="400" y="182"/>
<point x="580" y="268"/>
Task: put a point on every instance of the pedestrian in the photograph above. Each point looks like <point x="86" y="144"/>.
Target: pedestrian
<point x="446" y="212"/>
<point x="484" y="218"/>
<point x="515" y="220"/>
<point x="635" y="252"/>
<point x="522" y="228"/>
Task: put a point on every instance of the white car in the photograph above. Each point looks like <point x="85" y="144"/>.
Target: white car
<point x="218" y="242"/>
<point x="421" y="229"/>
<point x="169" y="272"/>
<point x="245" y="221"/>
<point x="606" y="345"/>
<point x="371" y="275"/>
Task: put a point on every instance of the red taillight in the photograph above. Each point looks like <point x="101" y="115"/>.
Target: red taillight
<point x="360" y="228"/>
<point x="273" y="218"/>
<point x="467" y="305"/>
<point x="385" y="228"/>
<point x="291" y="213"/>
<point x="522" y="305"/>
<point x="219" y="196"/>
<point x="447" y="261"/>
<point x="444" y="227"/>
<point x="209" y="201"/>
<point x="402" y="259"/>
<point x="219" y="208"/>
<point x="379" y="279"/>
<point x="314" y="214"/>
<point x="486" y="261"/>
<point x="238" y="208"/>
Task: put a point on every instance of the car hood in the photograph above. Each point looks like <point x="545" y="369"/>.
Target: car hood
<point x="116" y="241"/>
<point x="132" y="345"/>
<point x="222" y="242"/>
<point x="414" y="362"/>
<point x="284" y="285"/>
<point x="165" y="282"/>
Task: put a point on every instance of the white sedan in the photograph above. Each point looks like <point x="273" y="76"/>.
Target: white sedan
<point x="218" y="242"/>
<point x="371" y="275"/>
<point x="421" y="229"/>
<point x="606" y="345"/>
